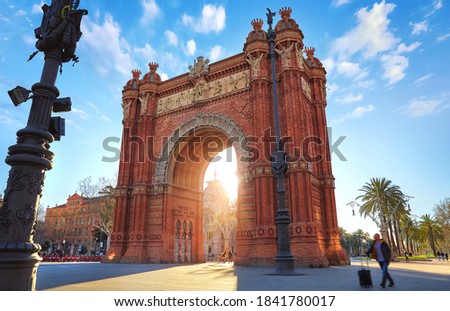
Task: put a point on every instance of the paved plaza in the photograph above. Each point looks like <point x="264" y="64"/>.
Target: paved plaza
<point x="413" y="276"/>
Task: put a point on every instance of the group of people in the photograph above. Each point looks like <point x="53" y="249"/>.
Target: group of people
<point x="226" y="256"/>
<point x="65" y="258"/>
<point x="442" y="256"/>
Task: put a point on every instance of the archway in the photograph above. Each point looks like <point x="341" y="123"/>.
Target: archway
<point x="173" y="128"/>
<point x="185" y="170"/>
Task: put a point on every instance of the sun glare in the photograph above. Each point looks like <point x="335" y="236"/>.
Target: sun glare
<point x="224" y="166"/>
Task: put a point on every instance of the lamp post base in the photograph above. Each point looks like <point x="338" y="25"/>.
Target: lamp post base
<point x="284" y="265"/>
<point x="18" y="271"/>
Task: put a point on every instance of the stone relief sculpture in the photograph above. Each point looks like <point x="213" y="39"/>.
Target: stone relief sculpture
<point x="254" y="64"/>
<point x="299" y="54"/>
<point x="232" y="84"/>
<point x="143" y="99"/>
<point x="217" y="88"/>
<point x="285" y="54"/>
<point x="126" y="104"/>
<point x="204" y="90"/>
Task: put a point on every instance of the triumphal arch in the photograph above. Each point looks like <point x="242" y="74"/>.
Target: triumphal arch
<point x="172" y="129"/>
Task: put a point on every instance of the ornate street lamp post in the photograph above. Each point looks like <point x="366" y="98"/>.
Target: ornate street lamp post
<point x="284" y="261"/>
<point x="30" y="157"/>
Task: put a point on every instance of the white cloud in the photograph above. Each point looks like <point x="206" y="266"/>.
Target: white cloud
<point x="402" y="48"/>
<point x="8" y="120"/>
<point x="81" y="113"/>
<point x="366" y="84"/>
<point x="350" y="98"/>
<point x="187" y="20"/>
<point x="437" y="5"/>
<point x="29" y="40"/>
<point x="171" y="37"/>
<point x="90" y="104"/>
<point x="216" y="53"/>
<point x="443" y="37"/>
<point x="21" y="13"/>
<point x="37" y="8"/>
<point x="338" y="3"/>
<point x="164" y="76"/>
<point x="371" y="35"/>
<point x="105" y="47"/>
<point x="212" y="19"/>
<point x="360" y="111"/>
<point x="75" y="125"/>
<point x="151" y="10"/>
<point x="394" y="67"/>
<point x="357" y="113"/>
<point x="424" y="78"/>
<point x="418" y="28"/>
<point x="395" y="64"/>
<point x="328" y="63"/>
<point x="351" y="70"/>
<point x="332" y="88"/>
<point x="147" y="52"/>
<point x="105" y="118"/>
<point x="419" y="107"/>
<point x="172" y="62"/>
<point x="191" y="47"/>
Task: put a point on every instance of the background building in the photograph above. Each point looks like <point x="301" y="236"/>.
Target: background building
<point x="71" y="227"/>
<point x="219" y="221"/>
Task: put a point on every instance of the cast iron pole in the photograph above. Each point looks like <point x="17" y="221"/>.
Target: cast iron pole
<point x="284" y="261"/>
<point x="30" y="157"/>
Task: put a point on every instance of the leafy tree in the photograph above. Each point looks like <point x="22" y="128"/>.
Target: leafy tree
<point x="104" y="187"/>
<point x="430" y="229"/>
<point x="442" y="215"/>
<point x="355" y="243"/>
<point x="41" y="233"/>
<point x="226" y="219"/>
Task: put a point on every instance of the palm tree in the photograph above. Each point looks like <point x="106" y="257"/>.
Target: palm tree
<point x="344" y="240"/>
<point x="360" y="239"/>
<point x="430" y="229"/>
<point x="384" y="202"/>
<point x="407" y="227"/>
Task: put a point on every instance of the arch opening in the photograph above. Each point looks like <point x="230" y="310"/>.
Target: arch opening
<point x="200" y="233"/>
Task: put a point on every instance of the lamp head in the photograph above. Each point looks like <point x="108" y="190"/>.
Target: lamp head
<point x="19" y="95"/>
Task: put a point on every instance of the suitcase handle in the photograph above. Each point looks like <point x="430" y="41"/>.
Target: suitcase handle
<point x="367" y="263"/>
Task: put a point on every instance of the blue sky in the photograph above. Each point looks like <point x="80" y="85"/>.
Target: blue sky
<point x="388" y="82"/>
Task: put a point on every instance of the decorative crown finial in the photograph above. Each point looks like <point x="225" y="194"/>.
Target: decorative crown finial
<point x="136" y="73"/>
<point x="309" y="50"/>
<point x="257" y="24"/>
<point x="153" y="66"/>
<point x="285" y="12"/>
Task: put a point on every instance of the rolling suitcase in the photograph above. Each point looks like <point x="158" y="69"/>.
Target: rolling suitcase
<point x="365" y="278"/>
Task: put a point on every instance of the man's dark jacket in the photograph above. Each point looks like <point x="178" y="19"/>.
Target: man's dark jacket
<point x="385" y="250"/>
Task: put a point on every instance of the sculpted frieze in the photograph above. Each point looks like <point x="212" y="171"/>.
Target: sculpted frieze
<point x="204" y="90"/>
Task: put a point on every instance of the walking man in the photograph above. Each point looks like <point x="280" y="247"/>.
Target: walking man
<point x="381" y="252"/>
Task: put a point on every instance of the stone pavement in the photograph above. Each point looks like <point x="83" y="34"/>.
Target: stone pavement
<point x="412" y="276"/>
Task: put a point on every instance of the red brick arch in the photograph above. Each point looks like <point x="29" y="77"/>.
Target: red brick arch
<point x="170" y="125"/>
<point x="228" y="132"/>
